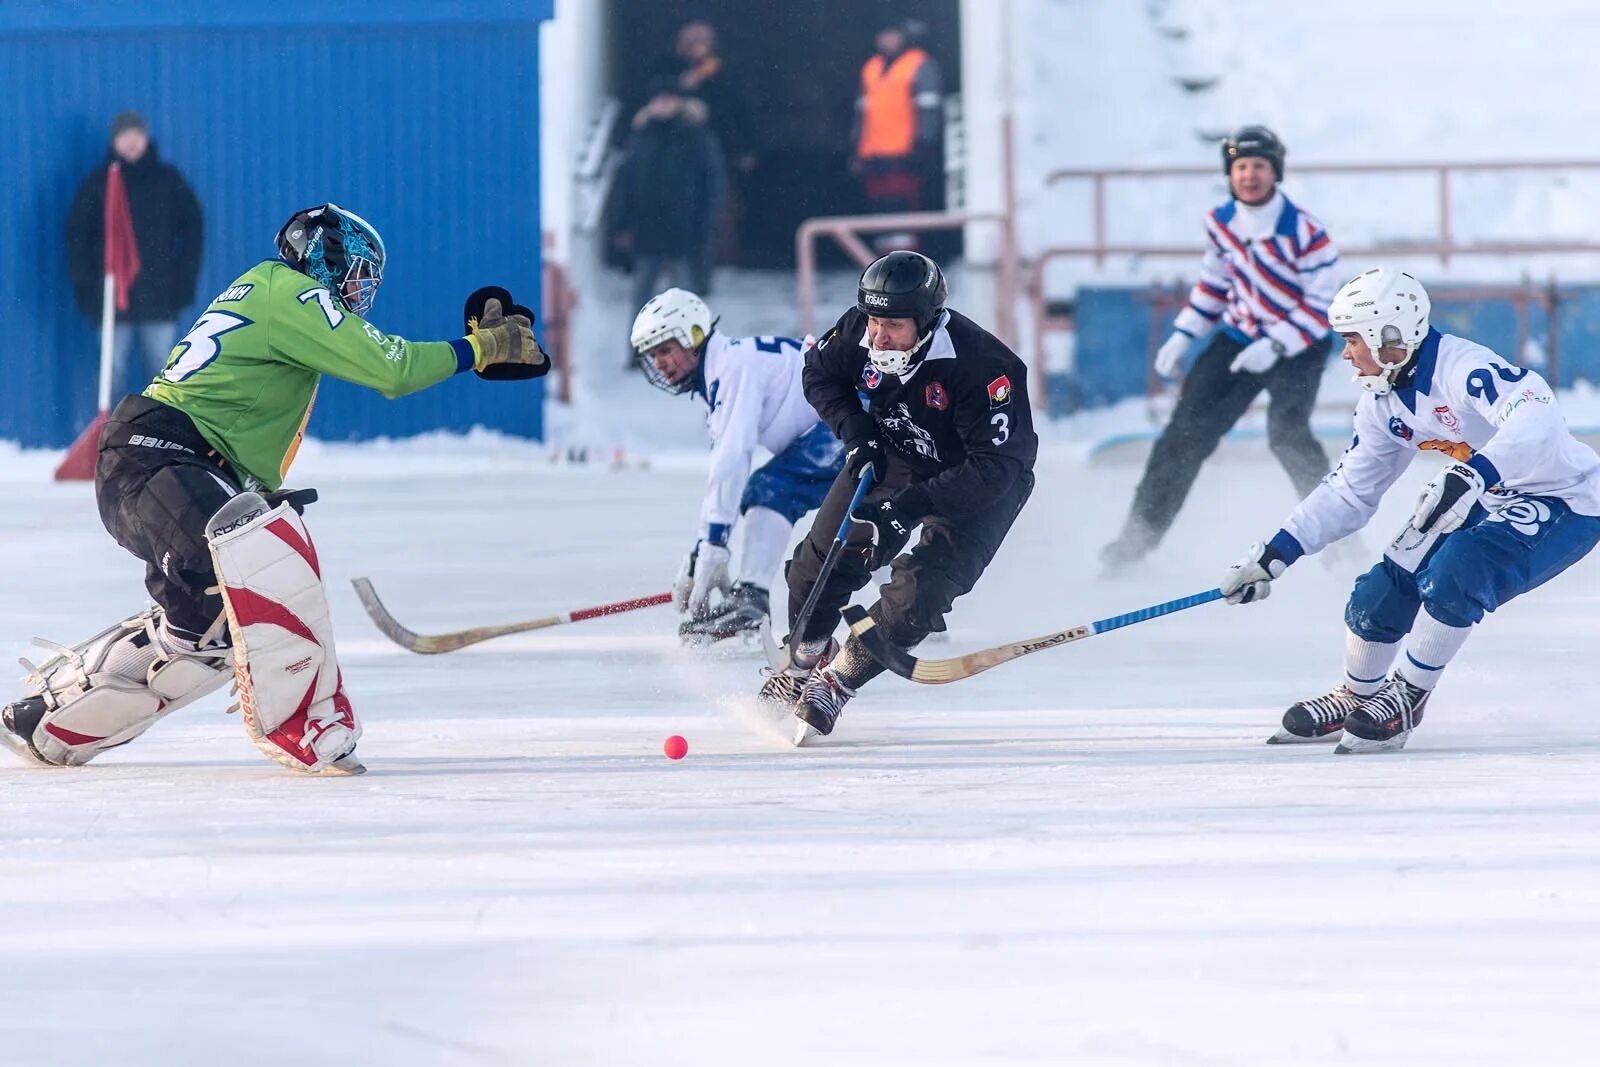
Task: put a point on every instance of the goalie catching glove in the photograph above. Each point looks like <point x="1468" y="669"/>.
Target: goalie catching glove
<point x="501" y="334"/>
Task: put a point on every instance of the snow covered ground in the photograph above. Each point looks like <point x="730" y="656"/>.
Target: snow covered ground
<point x="1084" y="857"/>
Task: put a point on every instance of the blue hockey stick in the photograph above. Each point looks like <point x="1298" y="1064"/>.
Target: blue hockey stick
<point x="828" y="562"/>
<point x="940" y="671"/>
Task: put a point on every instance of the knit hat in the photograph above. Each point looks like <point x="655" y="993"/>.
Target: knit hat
<point x="128" y="120"/>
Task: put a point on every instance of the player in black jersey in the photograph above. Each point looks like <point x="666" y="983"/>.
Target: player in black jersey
<point x="938" y="407"/>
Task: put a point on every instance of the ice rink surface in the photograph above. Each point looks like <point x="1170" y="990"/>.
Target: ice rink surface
<point x="1084" y="857"/>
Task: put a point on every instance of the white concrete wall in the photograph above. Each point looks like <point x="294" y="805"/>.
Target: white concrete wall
<point x="573" y="77"/>
<point x="987" y="94"/>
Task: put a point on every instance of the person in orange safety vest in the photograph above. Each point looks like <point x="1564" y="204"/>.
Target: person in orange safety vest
<point x="897" y="127"/>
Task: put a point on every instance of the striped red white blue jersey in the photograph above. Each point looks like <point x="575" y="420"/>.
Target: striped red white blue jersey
<point x="1275" y="282"/>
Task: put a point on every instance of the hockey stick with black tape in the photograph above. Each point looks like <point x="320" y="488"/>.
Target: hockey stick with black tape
<point x="941" y="671"/>
<point x="429" y="644"/>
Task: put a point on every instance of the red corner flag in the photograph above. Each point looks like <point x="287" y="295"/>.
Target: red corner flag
<point x="122" y="251"/>
<point x="122" y="267"/>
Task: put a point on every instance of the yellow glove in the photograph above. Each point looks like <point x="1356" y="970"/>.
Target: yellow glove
<point x="504" y="345"/>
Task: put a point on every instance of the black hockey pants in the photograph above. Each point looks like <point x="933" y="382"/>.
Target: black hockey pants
<point x="158" y="481"/>
<point x="1212" y="400"/>
<point x="947" y="560"/>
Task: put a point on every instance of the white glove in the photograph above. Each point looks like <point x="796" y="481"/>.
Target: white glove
<point x="1170" y="355"/>
<point x="1257" y="357"/>
<point x="710" y="573"/>
<point x="1250" y="579"/>
<point x="1447" y="500"/>
<point x="683" y="584"/>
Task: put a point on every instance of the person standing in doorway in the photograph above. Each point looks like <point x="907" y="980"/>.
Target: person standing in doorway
<point x="667" y="196"/>
<point x="1267" y="275"/>
<point x="897" y="126"/>
<point x="168" y="230"/>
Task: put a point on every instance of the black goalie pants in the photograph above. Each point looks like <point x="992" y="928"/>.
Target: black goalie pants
<point x="158" y="482"/>
<point x="949" y="556"/>
<point x="1212" y="400"/>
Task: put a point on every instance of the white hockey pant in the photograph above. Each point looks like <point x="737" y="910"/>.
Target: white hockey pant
<point x="290" y="690"/>
<point x="113" y="687"/>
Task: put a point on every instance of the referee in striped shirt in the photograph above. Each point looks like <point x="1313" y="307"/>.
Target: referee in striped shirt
<point x="1266" y="277"/>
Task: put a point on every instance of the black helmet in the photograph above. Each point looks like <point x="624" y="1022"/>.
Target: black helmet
<point x="903" y="285"/>
<point x="1255" y="141"/>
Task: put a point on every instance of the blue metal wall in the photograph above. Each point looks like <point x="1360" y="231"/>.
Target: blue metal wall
<point x="1114" y="335"/>
<point x="423" y="117"/>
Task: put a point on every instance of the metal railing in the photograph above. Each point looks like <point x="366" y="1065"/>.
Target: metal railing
<point x="846" y="231"/>
<point x="1444" y="244"/>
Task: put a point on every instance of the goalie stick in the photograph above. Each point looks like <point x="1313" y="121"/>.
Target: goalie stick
<point x="429" y="644"/>
<point x="941" y="671"/>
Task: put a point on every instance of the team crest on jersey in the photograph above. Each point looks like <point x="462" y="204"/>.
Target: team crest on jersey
<point x="935" y="396"/>
<point x="1000" y="391"/>
<point x="871" y="377"/>
<point x="1398" y="427"/>
<point x="1448" y="418"/>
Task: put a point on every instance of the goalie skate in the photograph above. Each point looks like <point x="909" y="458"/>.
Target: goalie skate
<point x="109" y="689"/>
<point x="1317" y="719"/>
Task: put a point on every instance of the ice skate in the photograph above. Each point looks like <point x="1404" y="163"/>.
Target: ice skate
<point x="822" y="700"/>
<point x="780" y="693"/>
<point x="1317" y="719"/>
<point x="740" y="615"/>
<point x="1385" y="719"/>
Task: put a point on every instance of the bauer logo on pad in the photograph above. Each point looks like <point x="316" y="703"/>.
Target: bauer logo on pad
<point x="1000" y="391"/>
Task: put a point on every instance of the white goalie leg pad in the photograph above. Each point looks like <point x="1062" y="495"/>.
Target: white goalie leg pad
<point x="290" y="691"/>
<point x="111" y="688"/>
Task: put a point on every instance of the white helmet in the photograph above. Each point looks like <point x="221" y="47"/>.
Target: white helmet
<point x="675" y="315"/>
<point x="1389" y="309"/>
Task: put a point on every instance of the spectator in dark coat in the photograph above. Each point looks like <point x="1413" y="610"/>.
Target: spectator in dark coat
<point x="702" y="75"/>
<point x="667" y="195"/>
<point x="167" y="228"/>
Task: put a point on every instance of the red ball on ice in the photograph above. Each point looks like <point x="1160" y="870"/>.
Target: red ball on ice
<point x="675" y="747"/>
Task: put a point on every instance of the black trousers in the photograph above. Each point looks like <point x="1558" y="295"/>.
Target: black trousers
<point x="158" y="482"/>
<point x="950" y="555"/>
<point x="1212" y="400"/>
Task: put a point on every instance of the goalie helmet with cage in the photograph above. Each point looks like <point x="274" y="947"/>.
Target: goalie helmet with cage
<point x="675" y="315"/>
<point x="338" y="249"/>
<point x="1389" y="309"/>
<point x="902" y="285"/>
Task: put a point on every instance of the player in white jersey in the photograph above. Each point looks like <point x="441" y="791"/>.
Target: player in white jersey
<point x="1519" y="505"/>
<point x="751" y="388"/>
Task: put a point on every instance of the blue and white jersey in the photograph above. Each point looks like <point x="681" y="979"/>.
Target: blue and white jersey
<point x="1268" y="270"/>
<point x="751" y="386"/>
<point x="1463" y="400"/>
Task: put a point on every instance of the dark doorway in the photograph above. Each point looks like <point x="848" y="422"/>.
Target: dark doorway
<point x="798" y="63"/>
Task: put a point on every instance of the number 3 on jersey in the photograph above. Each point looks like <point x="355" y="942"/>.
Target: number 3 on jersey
<point x="199" y="346"/>
<point x="1002" y="428"/>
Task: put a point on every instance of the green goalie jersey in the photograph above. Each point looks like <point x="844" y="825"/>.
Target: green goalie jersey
<point x="247" y="371"/>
